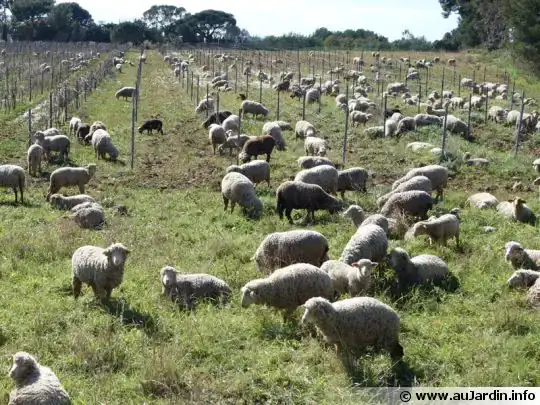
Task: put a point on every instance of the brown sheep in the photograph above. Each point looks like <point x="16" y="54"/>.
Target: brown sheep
<point x="261" y="145"/>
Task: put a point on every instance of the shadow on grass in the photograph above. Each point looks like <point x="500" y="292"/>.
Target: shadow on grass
<point x="129" y="315"/>
<point x="26" y="204"/>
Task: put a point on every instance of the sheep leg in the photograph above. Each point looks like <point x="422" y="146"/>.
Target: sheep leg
<point x="226" y="203"/>
<point x="108" y="292"/>
<point x="16" y="194"/>
<point x="100" y="292"/>
<point x="288" y="215"/>
<point x="81" y="188"/>
<point x="396" y="352"/>
<point x="76" y="287"/>
<point x="233" y="203"/>
<point x="343" y="195"/>
<point x="457" y="240"/>
<point x="268" y="157"/>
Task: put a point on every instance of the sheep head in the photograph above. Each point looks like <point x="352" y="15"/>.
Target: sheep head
<point x="168" y="276"/>
<point x="316" y="308"/>
<point x="24" y="364"/>
<point x="365" y="267"/>
<point x="117" y="253"/>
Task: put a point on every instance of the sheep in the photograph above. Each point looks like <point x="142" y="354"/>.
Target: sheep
<point x="70" y="176"/>
<point x="12" y="176"/>
<point x="426" y="119"/>
<point x="93" y="128"/>
<point x="465" y="82"/>
<point x="190" y="288"/>
<point x="417" y="146"/>
<point x="125" y="92"/>
<point x="253" y="107"/>
<point x="437" y="174"/>
<point x="315" y="146"/>
<point x="274" y="130"/>
<point x="421" y="269"/>
<point x="308" y="162"/>
<point x="414" y="203"/>
<point x="536" y="165"/>
<point x="523" y="278"/>
<point x="457" y="126"/>
<point x="50" y="132"/>
<point x="118" y="67"/>
<point x="234" y="142"/>
<point x="406" y="124"/>
<point x="512" y="117"/>
<point x="260" y="145"/>
<point x="206" y="104"/>
<point x="533" y="295"/>
<point x="324" y="176"/>
<point x="482" y="200"/>
<point x="397" y="88"/>
<point x="518" y="210"/>
<point x="358" y="117"/>
<point x="368" y="242"/>
<point x="280" y="249"/>
<point x="231" y="123"/>
<point x="102" y="145"/>
<point x="33" y="158"/>
<point x="150" y="125"/>
<point x="216" y="136"/>
<point x="58" y="143"/>
<point x="353" y="179"/>
<point x="313" y="95"/>
<point x="237" y="188"/>
<point x="68" y="202"/>
<point x="82" y="131"/>
<point x="497" y="114"/>
<point x="102" y="269"/>
<point x="74" y="123"/>
<point x="288" y="287"/>
<point x="355" y="213"/>
<point x="304" y="129"/>
<point x="285" y="126"/>
<point x="216" y="118"/>
<point x="474" y="161"/>
<point x="439" y="229"/>
<point x="380" y="220"/>
<point x="256" y="171"/>
<point x="88" y="215"/>
<point x="299" y="195"/>
<point x="421" y="183"/>
<point x="356" y="323"/>
<point x="34" y="383"/>
<point x="354" y="279"/>
<point x="375" y="132"/>
<point x="519" y="257"/>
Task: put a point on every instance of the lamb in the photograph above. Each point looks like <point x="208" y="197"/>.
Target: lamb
<point x="304" y="129"/>
<point x="324" y="176"/>
<point x="355" y="213"/>
<point x="57" y="143"/>
<point x="191" y="288"/>
<point x="421" y="183"/>
<point x="88" y="215"/>
<point x="274" y="130"/>
<point x="415" y="203"/>
<point x="125" y="92"/>
<point x="260" y="145"/>
<point x="231" y="123"/>
<point x="82" y="131"/>
<point x="33" y="158"/>
<point x="518" y="210"/>
<point x="482" y="200"/>
<point x="12" y="176"/>
<point x="358" y="117"/>
<point x="102" y="145"/>
<point x="150" y="125"/>
<point x="439" y="229"/>
<point x="68" y="202"/>
<point x="390" y="127"/>
<point x="288" y="287"/>
<point x="368" y="242"/>
<point x="237" y="188"/>
<point x="74" y="123"/>
<point x="70" y="176"/>
<point x="308" y="162"/>
<point x="234" y="142"/>
<point x="35" y="384"/>
<point x="256" y="171"/>
<point x="280" y="249"/>
<point x="253" y="107"/>
<point x="315" y="146"/>
<point x="216" y="118"/>
<point x="523" y="278"/>
<point x="354" y="279"/>
<point x="457" y="126"/>
<point x="102" y="269"/>
<point x="353" y="179"/>
<point x="216" y="136"/>
<point x="437" y="174"/>
<point x="299" y="195"/>
<point x="421" y="269"/>
<point x="421" y="120"/>
<point x="356" y="323"/>
<point x="519" y="257"/>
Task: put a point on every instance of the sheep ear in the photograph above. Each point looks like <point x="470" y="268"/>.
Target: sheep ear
<point x="355" y="265"/>
<point x="510" y="200"/>
<point x="107" y="252"/>
<point x="374" y="264"/>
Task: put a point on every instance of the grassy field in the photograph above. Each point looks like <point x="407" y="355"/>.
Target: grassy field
<point x="143" y="349"/>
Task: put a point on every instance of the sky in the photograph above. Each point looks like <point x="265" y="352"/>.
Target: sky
<point x="275" y="17"/>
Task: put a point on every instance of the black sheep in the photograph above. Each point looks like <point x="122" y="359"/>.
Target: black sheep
<point x="150" y="125"/>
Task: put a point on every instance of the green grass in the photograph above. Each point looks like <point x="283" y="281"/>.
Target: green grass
<point x="142" y="349"/>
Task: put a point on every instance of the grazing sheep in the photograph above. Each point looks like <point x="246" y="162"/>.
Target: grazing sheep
<point x="102" y="145"/>
<point x="421" y="183"/>
<point x="88" y="215"/>
<point x="12" y="176"/>
<point x="439" y="229"/>
<point x="102" y="269"/>
<point x="368" y="242"/>
<point x="70" y="176"/>
<point x="519" y="257"/>
<point x="523" y="278"/>
<point x="356" y="323"/>
<point x="457" y="126"/>
<point x="437" y="174"/>
<point x="93" y="128"/>
<point x="206" y="104"/>
<point x="421" y="269"/>
<point x="50" y="132"/>
<point x="299" y="195"/>
<point x="415" y="203"/>
<point x="253" y="107"/>
<point x="355" y="213"/>
<point x="260" y="145"/>
<point x="315" y="146"/>
<point x="353" y="179"/>
<point x="191" y="288"/>
<point x="309" y="162"/>
<point x="237" y="188"/>
<point x="405" y="124"/>
<point x="74" y="123"/>
<point x="380" y="220"/>
<point x="497" y="114"/>
<point x="82" y="131"/>
<point x="216" y="136"/>
<point x="234" y="142"/>
<point x="150" y="125"/>
<point x="33" y="159"/>
<point x="324" y="176"/>
<point x="257" y="171"/>
<point x="57" y="143"/>
<point x="280" y="249"/>
<point x="518" y="210"/>
<point x="35" y="384"/>
<point x="62" y="202"/>
<point x="482" y="200"/>
<point x="533" y="295"/>
<point x="216" y="118"/>
<point x="304" y="129"/>
<point x="274" y="130"/>
<point x="375" y="132"/>
<point x="125" y="92"/>
<point x="288" y="287"/>
<point x="354" y="279"/>
<point x="231" y="123"/>
<point x="359" y="117"/>
<point x="421" y="120"/>
<point x="285" y="126"/>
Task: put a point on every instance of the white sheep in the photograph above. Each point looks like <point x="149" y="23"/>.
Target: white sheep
<point x="439" y="229"/>
<point x="359" y="117"/>
<point x="231" y="123"/>
<point x="356" y="323"/>
<point x="70" y="176"/>
<point x="274" y="130"/>
<point x="533" y="295"/>
<point x="315" y="146"/>
<point x="437" y="174"/>
<point x="238" y="189"/>
<point x="125" y="92"/>
<point x="62" y="202"/>
<point x="354" y="279"/>
<point x="375" y="132"/>
<point x="12" y="176"/>
<point x="216" y="136"/>
<point x="518" y="257"/>
<point x="102" y="145"/>
<point x="74" y="123"/>
<point x="482" y="200"/>
<point x="57" y="143"/>
<point x="368" y="242"/>
<point x="33" y="159"/>
<point x="102" y="269"/>
<point x="421" y="183"/>
<point x="88" y="215"/>
<point x="288" y="288"/>
<point x="523" y="278"/>
<point x="415" y="203"/>
<point x="206" y="104"/>
<point x="257" y="171"/>
<point x="254" y="108"/>
<point x="308" y="162"/>
<point x="518" y="210"/>
<point x="421" y="269"/>
<point x="353" y="179"/>
<point x="35" y="384"/>
<point x="324" y="176"/>
<point x="421" y="120"/>
<point x="304" y="129"/>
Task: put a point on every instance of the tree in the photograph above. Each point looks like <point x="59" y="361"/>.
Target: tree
<point x="70" y="21"/>
<point x="212" y="24"/>
<point x="159" y="17"/>
<point x="30" y="10"/>
<point x="129" y="31"/>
